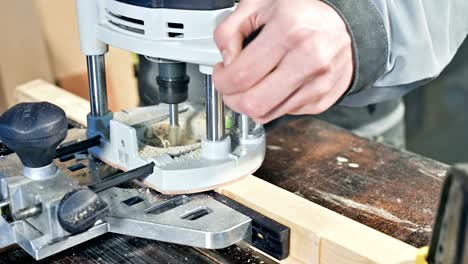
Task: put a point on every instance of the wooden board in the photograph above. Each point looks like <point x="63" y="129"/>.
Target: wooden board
<point x="74" y="106"/>
<point x="320" y="235"/>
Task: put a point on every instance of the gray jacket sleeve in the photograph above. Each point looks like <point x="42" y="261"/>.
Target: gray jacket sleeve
<point x="400" y="44"/>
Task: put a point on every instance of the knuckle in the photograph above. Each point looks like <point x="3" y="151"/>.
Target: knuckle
<point x="259" y="104"/>
<point x="221" y="35"/>
<point x="320" y="52"/>
<point x="325" y="68"/>
<point x="261" y="121"/>
<point x="308" y="50"/>
<point x="323" y="89"/>
<point x="231" y="102"/>
<point x="301" y="110"/>
<point x="312" y="108"/>
<point x="262" y="109"/>
<point x="296" y="38"/>
<point x="317" y="57"/>
<point x="299" y="80"/>
<point x="320" y="107"/>
<point x="322" y="60"/>
<point x="241" y="79"/>
<point x="231" y="83"/>
<point x="219" y="81"/>
<point x="250" y="108"/>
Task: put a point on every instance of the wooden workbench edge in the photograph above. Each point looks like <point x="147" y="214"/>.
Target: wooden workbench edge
<point x="318" y="235"/>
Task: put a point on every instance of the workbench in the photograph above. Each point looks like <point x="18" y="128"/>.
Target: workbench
<point x="390" y="190"/>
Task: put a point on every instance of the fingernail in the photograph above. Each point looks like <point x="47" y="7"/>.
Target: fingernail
<point x="227" y="59"/>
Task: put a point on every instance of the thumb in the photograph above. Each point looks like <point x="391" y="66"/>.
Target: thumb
<point x="231" y="33"/>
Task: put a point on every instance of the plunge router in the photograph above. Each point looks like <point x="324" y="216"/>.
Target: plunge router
<point x="170" y="33"/>
<point x="54" y="198"/>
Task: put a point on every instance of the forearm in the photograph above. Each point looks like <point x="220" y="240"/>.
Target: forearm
<point x="399" y="45"/>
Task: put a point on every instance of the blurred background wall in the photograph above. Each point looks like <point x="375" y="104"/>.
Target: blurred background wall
<point x="40" y="40"/>
<point x="23" y="50"/>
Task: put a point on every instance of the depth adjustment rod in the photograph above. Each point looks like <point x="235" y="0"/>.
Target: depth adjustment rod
<point x="100" y="116"/>
<point x="97" y="85"/>
<point x="215" y="120"/>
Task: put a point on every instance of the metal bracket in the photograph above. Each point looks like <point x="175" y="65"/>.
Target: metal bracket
<point x="209" y="221"/>
<point x="196" y="220"/>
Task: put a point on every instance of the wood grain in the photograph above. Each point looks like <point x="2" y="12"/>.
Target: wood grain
<point x="74" y="106"/>
<point x="113" y="249"/>
<point x="318" y="235"/>
<point x="390" y="190"/>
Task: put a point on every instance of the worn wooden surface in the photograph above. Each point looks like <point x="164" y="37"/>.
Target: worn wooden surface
<point x="115" y="249"/>
<point x="392" y="191"/>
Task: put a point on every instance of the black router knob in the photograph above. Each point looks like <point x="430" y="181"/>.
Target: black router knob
<point x="80" y="209"/>
<point x="33" y="131"/>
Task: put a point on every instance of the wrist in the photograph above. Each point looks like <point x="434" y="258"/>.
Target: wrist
<point x="369" y="41"/>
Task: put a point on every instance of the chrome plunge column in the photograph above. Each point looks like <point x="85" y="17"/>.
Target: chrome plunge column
<point x="215" y="121"/>
<point x="97" y="85"/>
<point x="245" y="126"/>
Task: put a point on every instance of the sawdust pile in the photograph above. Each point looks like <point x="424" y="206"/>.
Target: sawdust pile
<point x="158" y="136"/>
<point x="156" y="141"/>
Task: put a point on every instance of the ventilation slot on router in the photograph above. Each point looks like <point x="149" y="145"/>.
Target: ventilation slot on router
<point x="175" y="30"/>
<point x="126" y="23"/>
<point x="175" y="25"/>
<point x="175" y="35"/>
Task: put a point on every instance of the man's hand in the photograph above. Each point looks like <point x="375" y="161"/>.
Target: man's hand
<point x="301" y="63"/>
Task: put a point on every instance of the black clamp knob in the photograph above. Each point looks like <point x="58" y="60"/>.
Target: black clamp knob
<point x="33" y="131"/>
<point x="80" y="209"/>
